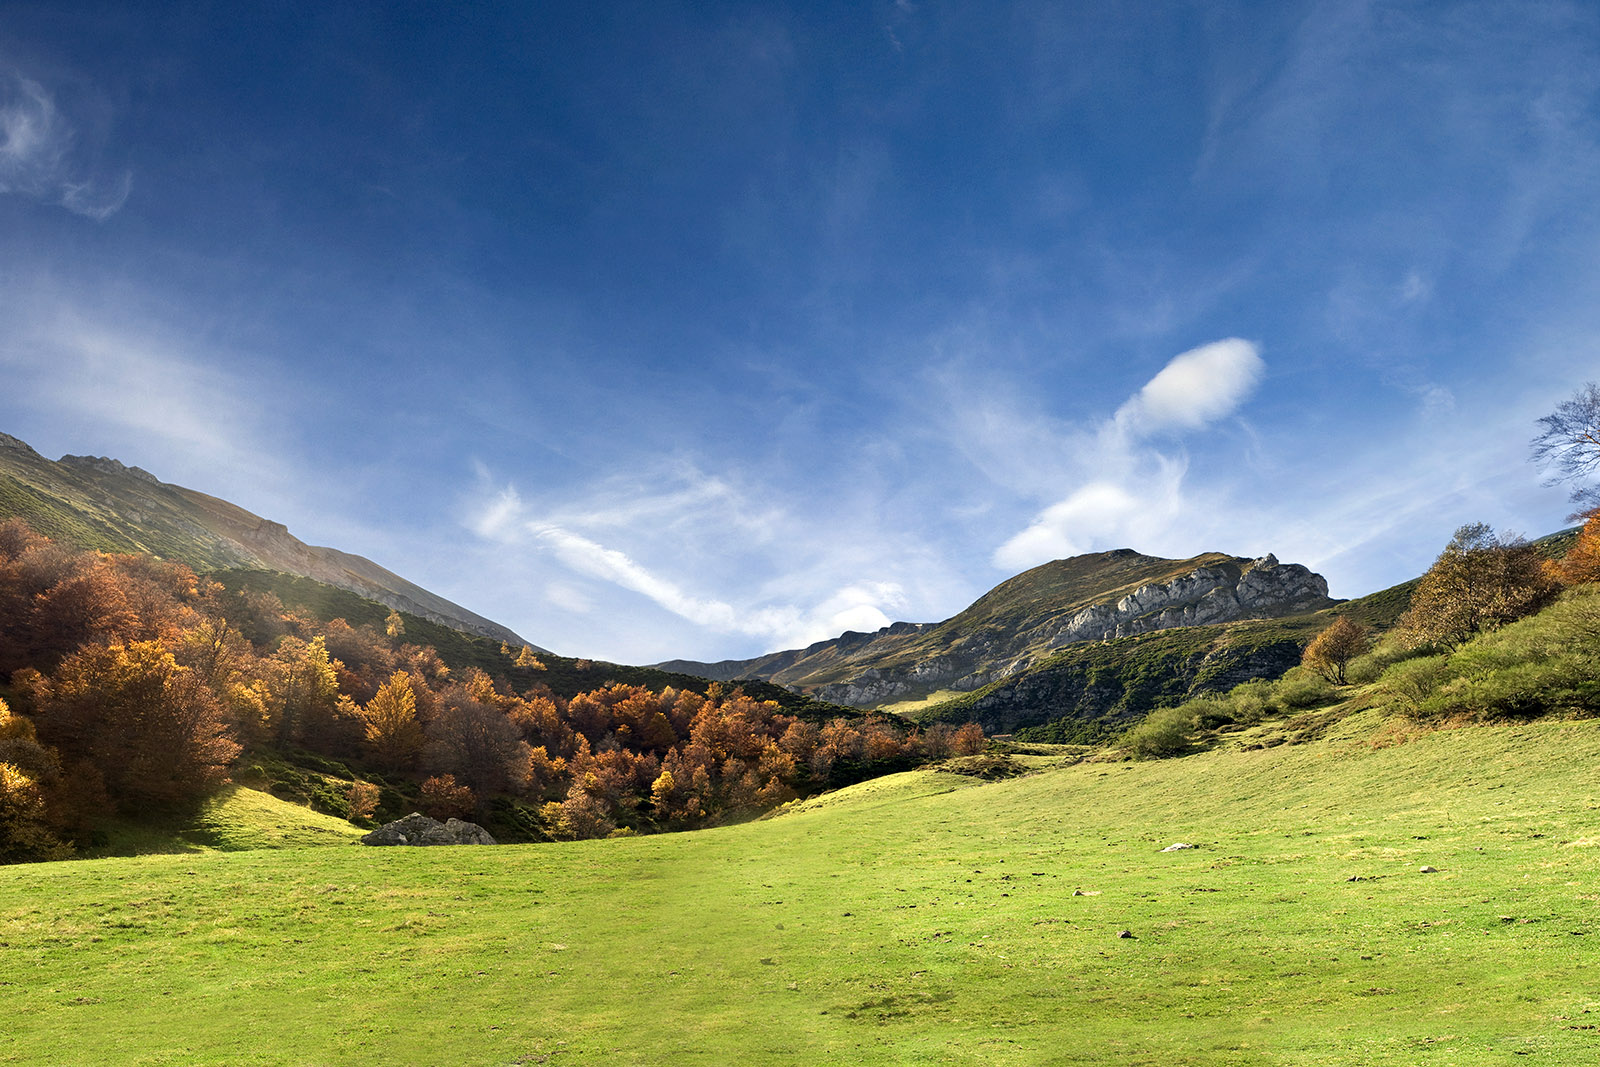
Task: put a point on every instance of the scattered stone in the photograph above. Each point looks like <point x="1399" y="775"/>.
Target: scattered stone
<point x="418" y="829"/>
<point x="1178" y="847"/>
<point x="1124" y="933"/>
<point x="1077" y="892"/>
<point x="1429" y="870"/>
<point x="1353" y="878"/>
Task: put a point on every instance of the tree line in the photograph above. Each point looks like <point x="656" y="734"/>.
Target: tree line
<point x="136" y="687"/>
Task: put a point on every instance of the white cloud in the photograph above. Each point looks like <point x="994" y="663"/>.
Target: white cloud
<point x="1196" y="387"/>
<point x="1126" y="493"/>
<point x="607" y="564"/>
<point x="40" y="157"/>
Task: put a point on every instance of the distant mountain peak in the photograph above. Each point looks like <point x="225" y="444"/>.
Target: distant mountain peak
<point x="107" y="465"/>
<point x="1096" y="596"/>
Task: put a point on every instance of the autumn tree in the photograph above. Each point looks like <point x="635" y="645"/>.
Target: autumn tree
<point x="1569" y="445"/>
<point x="26" y="766"/>
<point x="442" y="797"/>
<point x="968" y="740"/>
<point x="1332" y="649"/>
<point x="148" y="726"/>
<point x="390" y="719"/>
<point x="1581" y="564"/>
<point x="474" y="741"/>
<point x="363" y="799"/>
<point x="302" y="685"/>
<point x="581" y="816"/>
<point x="1479" y="582"/>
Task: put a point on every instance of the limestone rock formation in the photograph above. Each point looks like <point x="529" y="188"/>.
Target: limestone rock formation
<point x="418" y="829"/>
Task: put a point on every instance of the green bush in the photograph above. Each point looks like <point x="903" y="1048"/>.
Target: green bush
<point x="1252" y="701"/>
<point x="1163" y="733"/>
<point x="1364" y="670"/>
<point x="1411" y="682"/>
<point x="1211" y="712"/>
<point x="1300" y="688"/>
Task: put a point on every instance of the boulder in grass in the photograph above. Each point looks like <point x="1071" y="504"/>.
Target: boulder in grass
<point x="418" y="829"/>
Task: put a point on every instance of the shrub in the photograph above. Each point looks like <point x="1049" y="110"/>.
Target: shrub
<point x="1301" y="688"/>
<point x="1364" y="670"/>
<point x="363" y="798"/>
<point x="1411" y="682"/>
<point x="442" y="798"/>
<point x="1163" y="733"/>
<point x="1252" y="701"/>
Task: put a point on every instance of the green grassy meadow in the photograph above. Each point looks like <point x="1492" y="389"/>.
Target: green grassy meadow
<point x="922" y="918"/>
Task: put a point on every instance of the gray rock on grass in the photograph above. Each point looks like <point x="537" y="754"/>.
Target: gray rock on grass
<point x="418" y="829"/>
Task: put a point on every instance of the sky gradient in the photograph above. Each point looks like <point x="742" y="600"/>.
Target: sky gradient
<point x="657" y="330"/>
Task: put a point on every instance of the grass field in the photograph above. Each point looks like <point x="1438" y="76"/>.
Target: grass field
<point x="922" y="918"/>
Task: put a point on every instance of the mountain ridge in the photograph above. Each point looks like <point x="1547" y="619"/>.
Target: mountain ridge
<point x="1029" y="617"/>
<point x="101" y="503"/>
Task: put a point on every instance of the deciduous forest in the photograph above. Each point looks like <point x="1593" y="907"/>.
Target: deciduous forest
<point x="134" y="687"/>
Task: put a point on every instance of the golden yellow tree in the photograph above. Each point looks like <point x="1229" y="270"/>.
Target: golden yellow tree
<point x="390" y="717"/>
<point x="1332" y="650"/>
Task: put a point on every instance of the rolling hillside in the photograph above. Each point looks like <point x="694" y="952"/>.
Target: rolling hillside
<point x="97" y="503"/>
<point x="925" y="917"/>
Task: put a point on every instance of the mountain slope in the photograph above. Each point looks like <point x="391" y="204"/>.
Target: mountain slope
<point x="98" y="503"/>
<point x="1085" y="691"/>
<point x="1028" y="618"/>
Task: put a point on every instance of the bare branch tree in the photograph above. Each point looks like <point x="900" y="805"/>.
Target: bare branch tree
<point x="1570" y="446"/>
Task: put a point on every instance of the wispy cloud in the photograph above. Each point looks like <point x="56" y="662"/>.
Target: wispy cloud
<point x="41" y="156"/>
<point x="687" y="532"/>
<point x="93" y="373"/>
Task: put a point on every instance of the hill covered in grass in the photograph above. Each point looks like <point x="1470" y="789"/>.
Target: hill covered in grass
<point x="927" y="916"/>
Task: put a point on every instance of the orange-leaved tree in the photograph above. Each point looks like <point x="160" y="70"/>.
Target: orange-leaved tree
<point x="1581" y="564"/>
<point x="393" y="733"/>
<point x="1332" y="650"/>
<point x="152" y="730"/>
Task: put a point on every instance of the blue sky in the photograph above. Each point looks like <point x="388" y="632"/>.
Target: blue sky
<point x="659" y="330"/>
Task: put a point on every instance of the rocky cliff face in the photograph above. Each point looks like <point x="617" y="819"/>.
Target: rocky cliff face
<point x="1265" y="589"/>
<point x="1114" y="697"/>
<point x="1259" y="589"/>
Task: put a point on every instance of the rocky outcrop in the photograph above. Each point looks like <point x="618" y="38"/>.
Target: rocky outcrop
<point x="106" y="465"/>
<point x="418" y="829"/>
<point x="1206" y="595"/>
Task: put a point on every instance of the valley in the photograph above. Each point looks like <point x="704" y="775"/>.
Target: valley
<point x="920" y="917"/>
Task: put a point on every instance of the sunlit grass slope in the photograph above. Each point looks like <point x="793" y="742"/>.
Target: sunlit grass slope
<point x="923" y="918"/>
<point x="234" y="820"/>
